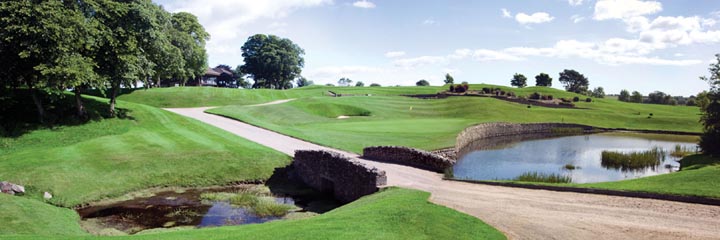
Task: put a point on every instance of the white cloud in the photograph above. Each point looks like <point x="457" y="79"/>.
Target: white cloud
<point x="429" y="21"/>
<point x="394" y="54"/>
<point x="336" y="72"/>
<point x="420" y="61"/>
<point x="575" y="2"/>
<point x="577" y="18"/>
<point x="225" y="20"/>
<point x="363" y="4"/>
<point x="538" y="17"/>
<point x="506" y="13"/>
<point x="624" y="9"/>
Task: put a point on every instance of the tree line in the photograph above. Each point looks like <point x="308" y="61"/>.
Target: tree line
<point x="49" y="47"/>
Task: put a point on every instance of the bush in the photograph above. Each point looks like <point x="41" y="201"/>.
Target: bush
<point x="550" y="97"/>
<point x="452" y="88"/>
<point x="510" y="94"/>
<point x="588" y="100"/>
<point x="576" y="99"/>
<point x="535" y="96"/>
<point x="486" y="90"/>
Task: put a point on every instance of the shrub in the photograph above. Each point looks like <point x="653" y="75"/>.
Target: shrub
<point x="466" y="86"/>
<point x="576" y="99"/>
<point x="452" y="88"/>
<point x="502" y="93"/>
<point x="544" y="98"/>
<point x="535" y="96"/>
<point x="510" y="94"/>
<point x="550" y="97"/>
<point x="588" y="100"/>
<point x="486" y="90"/>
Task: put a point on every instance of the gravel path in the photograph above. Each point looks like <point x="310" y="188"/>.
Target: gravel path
<point x="520" y="213"/>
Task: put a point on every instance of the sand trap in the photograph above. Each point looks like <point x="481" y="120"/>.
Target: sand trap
<point x="343" y="117"/>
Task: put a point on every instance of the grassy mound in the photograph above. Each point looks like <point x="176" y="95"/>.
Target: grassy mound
<point x="23" y="216"/>
<point x="150" y="147"/>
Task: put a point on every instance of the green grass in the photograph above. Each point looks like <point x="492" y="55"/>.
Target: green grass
<point x="151" y="147"/>
<point x="23" y="216"/>
<point x="434" y="123"/>
<point x="700" y="176"/>
<point x="394" y="213"/>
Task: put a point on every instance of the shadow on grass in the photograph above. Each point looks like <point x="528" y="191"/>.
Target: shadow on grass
<point x="18" y="115"/>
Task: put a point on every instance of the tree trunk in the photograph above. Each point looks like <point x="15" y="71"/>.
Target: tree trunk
<point x="113" y="97"/>
<point x="38" y="105"/>
<point x="80" y="107"/>
<point x="158" y="82"/>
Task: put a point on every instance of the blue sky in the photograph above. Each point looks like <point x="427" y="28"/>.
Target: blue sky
<point x="617" y="44"/>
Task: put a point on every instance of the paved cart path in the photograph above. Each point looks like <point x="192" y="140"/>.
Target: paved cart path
<point x="519" y="213"/>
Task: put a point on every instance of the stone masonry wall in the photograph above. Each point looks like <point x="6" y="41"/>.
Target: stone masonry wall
<point x="347" y="179"/>
<point x="409" y="157"/>
<point x="489" y="130"/>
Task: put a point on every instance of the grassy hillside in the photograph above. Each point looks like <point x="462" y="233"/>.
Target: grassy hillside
<point x="24" y="216"/>
<point x="432" y="124"/>
<point x="391" y="214"/>
<point x="150" y="147"/>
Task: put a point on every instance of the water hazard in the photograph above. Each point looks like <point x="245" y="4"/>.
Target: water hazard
<point x="578" y="157"/>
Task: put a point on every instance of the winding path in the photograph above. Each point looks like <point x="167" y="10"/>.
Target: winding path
<point x="520" y="213"/>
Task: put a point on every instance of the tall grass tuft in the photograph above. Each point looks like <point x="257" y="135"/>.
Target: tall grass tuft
<point x="543" y="177"/>
<point x="682" y="151"/>
<point x="264" y="207"/>
<point x="634" y="160"/>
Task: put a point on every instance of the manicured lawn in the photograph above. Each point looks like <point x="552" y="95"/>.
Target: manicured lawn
<point x="394" y="213"/>
<point x="23" y="216"/>
<point x="700" y="176"/>
<point x="151" y="147"/>
<point x="434" y="123"/>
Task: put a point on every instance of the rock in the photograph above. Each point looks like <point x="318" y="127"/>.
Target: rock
<point x="47" y="196"/>
<point x="18" y="188"/>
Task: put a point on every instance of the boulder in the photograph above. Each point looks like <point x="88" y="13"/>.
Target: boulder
<point x="47" y="196"/>
<point x="10" y="188"/>
<point x="18" y="188"/>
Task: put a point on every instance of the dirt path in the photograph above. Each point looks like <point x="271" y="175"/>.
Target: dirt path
<point x="521" y="213"/>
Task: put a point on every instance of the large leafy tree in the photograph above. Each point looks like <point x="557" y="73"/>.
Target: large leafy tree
<point x="449" y="79"/>
<point x="44" y="46"/>
<point x="271" y="61"/>
<point x="574" y="81"/>
<point x="518" y="80"/>
<point x="710" y="140"/>
<point x="624" y="95"/>
<point x="422" y="82"/>
<point x="543" y="80"/>
<point x="190" y="37"/>
<point x="636" y="97"/>
<point x="303" y="82"/>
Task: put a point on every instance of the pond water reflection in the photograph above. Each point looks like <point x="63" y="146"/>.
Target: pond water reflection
<point x="508" y="158"/>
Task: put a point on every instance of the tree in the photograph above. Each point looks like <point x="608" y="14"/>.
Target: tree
<point x="272" y="61"/>
<point x="422" y="82"/>
<point x="375" y="85"/>
<point x="344" y="82"/>
<point x="702" y="100"/>
<point x="518" y="80"/>
<point x="574" y="81"/>
<point x="624" y="96"/>
<point x="359" y="84"/>
<point x="303" y="82"/>
<point x="190" y="36"/>
<point x="45" y="47"/>
<point x="598" y="92"/>
<point x="449" y="79"/>
<point x="658" y="97"/>
<point x="636" y="97"/>
<point x="543" y="80"/>
<point x="710" y="139"/>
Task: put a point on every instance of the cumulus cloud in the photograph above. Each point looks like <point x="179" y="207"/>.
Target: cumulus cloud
<point x="429" y="21"/>
<point x="535" y="18"/>
<point x="225" y="19"/>
<point x="575" y="2"/>
<point x="624" y="9"/>
<point x="363" y="4"/>
<point x="394" y="54"/>
<point x="336" y="72"/>
<point x="420" y="61"/>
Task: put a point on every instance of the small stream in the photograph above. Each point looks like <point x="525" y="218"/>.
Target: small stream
<point x="186" y="207"/>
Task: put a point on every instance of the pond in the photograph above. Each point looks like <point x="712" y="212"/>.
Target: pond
<point x="152" y="210"/>
<point x="508" y="158"/>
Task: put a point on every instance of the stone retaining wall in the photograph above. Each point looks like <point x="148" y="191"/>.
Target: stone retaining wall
<point x="409" y="157"/>
<point x="347" y="179"/>
<point x="490" y="130"/>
